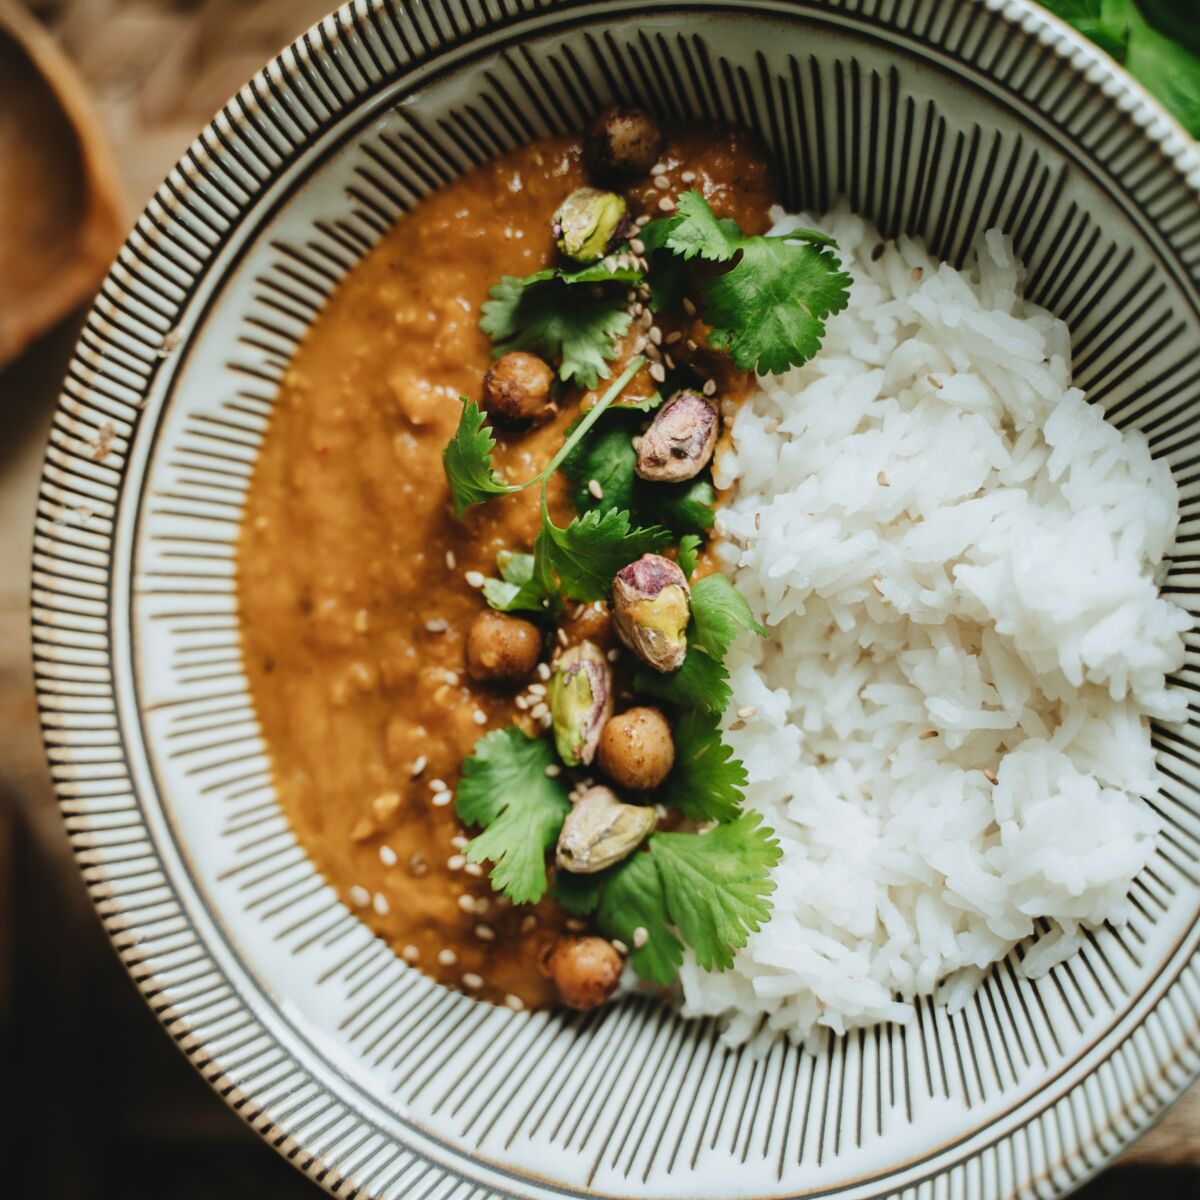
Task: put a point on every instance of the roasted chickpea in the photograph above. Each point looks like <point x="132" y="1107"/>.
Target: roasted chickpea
<point x="585" y="970"/>
<point x="517" y="388"/>
<point x="622" y="141"/>
<point x="636" y="749"/>
<point x="502" y="649"/>
<point x="587" y="623"/>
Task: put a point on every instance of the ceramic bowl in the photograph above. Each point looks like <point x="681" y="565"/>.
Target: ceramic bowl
<point x="933" y="119"/>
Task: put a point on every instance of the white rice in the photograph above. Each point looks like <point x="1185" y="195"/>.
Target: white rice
<point x="944" y="538"/>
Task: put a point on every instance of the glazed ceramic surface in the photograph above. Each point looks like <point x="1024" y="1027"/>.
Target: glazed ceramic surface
<point x="937" y="119"/>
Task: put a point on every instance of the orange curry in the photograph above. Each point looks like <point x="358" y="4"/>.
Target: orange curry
<point x="357" y="585"/>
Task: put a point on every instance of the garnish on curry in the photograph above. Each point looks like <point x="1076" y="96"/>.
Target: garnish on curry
<point x="482" y="635"/>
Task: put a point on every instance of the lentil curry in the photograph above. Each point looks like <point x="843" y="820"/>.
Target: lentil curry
<point x="358" y="586"/>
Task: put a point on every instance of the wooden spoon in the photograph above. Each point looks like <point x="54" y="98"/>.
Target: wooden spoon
<point x="61" y="209"/>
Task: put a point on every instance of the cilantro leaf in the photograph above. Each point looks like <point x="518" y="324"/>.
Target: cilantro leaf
<point x="716" y="885"/>
<point x="706" y="781"/>
<point x="592" y="549"/>
<point x="633" y="899"/>
<point x="546" y="314"/>
<point x="578" y="894"/>
<point x="668" y="274"/>
<point x="467" y="461"/>
<point x="769" y="310"/>
<point x="694" y="230"/>
<point x="686" y="558"/>
<point x="719" y="614"/>
<point x="505" y="788"/>
<point x="516" y="590"/>
<point x="607" y="455"/>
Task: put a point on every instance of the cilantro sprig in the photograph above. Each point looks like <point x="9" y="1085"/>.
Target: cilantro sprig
<point x="768" y="308"/>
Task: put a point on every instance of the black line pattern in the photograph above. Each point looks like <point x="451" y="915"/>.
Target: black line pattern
<point x="1046" y="1079"/>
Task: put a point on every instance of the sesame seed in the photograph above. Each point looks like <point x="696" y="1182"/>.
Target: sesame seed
<point x="437" y="785"/>
<point x="594" y="489"/>
<point x="917" y="272"/>
<point x="521" y="703"/>
<point x="441" y="799"/>
<point x="877" y="252"/>
<point x="688" y="307"/>
<point x="466" y="903"/>
<point x="410" y="954"/>
<point x="360" y="621"/>
<point x="451" y="561"/>
<point x="991" y="777"/>
<point x="619" y="946"/>
<point x="638" y="345"/>
<point x="655" y="335"/>
<point x="652" y="352"/>
<point x="417" y="864"/>
<point x="658" y="168"/>
<point x="610" y="264"/>
<point x="458" y="841"/>
<point x="474" y="579"/>
<point x="747" y="712"/>
<point x="538" y="711"/>
<point x="758" y="520"/>
<point x="667" y="204"/>
<point x="387" y="856"/>
<point x="456" y="862"/>
<point x="929" y="733"/>
<point x="472" y="981"/>
<point x="674" y="337"/>
<point x="710" y="387"/>
<point x="482" y="904"/>
<point x="646" y="319"/>
<point x="514" y="1002"/>
<point x="691" y="345"/>
<point x="437" y="625"/>
<point x="658" y="373"/>
<point x="883" y="480"/>
<point x="380" y="904"/>
<point x="637" y="246"/>
<point x="613" y="655"/>
<point x="537" y="689"/>
<point x="877" y="584"/>
<point x="553" y="770"/>
<point x="562" y="637"/>
<point x="485" y="933"/>
<point x="447" y="957"/>
<point x="669" y="361"/>
<point x="419" y="765"/>
<point x="933" y="382"/>
<point x="479" y="717"/>
<point x="359" y="896"/>
<point x="529" y="923"/>
<point x="473" y="869"/>
<point x="575" y="925"/>
<point x="543" y="671"/>
<point x="661" y="182"/>
<point x="640" y="937"/>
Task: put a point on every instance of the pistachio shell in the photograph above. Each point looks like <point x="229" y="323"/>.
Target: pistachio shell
<point x="600" y="831"/>
<point x="651" y="610"/>
<point x="580" y="698"/>
<point x="680" y="441"/>
<point x="588" y="223"/>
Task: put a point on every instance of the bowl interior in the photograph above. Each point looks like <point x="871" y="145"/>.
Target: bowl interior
<point x="938" y="126"/>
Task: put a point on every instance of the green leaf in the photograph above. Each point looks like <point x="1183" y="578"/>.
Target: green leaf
<point x="632" y="900"/>
<point x="686" y="558"/>
<point x="716" y="885"/>
<point x="702" y="682"/>
<point x="706" y="781"/>
<point x="578" y="894"/>
<point x="695" y="231"/>
<point x="588" y="553"/>
<point x="516" y="590"/>
<point x="768" y="311"/>
<point x="467" y="461"/>
<point x="1168" y="71"/>
<point x="681" y="507"/>
<point x="547" y="314"/>
<point x="505" y="788"/>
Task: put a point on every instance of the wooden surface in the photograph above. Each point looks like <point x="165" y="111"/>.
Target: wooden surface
<point x="79" y="1049"/>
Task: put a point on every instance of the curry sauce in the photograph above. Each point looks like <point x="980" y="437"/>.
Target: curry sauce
<point x="357" y="585"/>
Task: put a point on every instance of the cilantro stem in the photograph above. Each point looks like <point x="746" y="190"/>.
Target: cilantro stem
<point x="598" y="409"/>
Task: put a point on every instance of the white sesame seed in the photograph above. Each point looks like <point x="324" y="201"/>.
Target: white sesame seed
<point x="646" y="319"/>
<point x="537" y="689"/>
<point x="437" y="625"/>
<point x="441" y="799"/>
<point x="562" y="637"/>
<point x="380" y="904"/>
<point x="613" y="655"/>
<point x="610" y="264"/>
<point x="529" y="923"/>
<point x="640" y="937"/>
<point x="485" y="933"/>
<point x="710" y="387"/>
<point x="661" y="182"/>
<point x="658" y="372"/>
<point x="419" y="765"/>
<point x="543" y="671"/>
<point x="688" y="307"/>
<point x="637" y="245"/>
<point x="575" y="925"/>
<point x="674" y="337"/>
<point x="758" y="520"/>
<point x="410" y="954"/>
<point x="474" y="579"/>
<point x="359" y="896"/>
<point x="553" y="770"/>
<point x="691" y="345"/>
<point x="655" y="335"/>
<point x="619" y="946"/>
<point x="594" y="489"/>
<point x="451" y="561"/>
<point x="934" y="382"/>
<point x="456" y="862"/>
<point x="437" y="785"/>
<point x="882" y="479"/>
<point x="687" y="176"/>
<point x="538" y="711"/>
<point x="521" y="703"/>
<point x="447" y="957"/>
<point x="387" y="856"/>
<point x="466" y="903"/>
<point x="669" y="361"/>
<point x="479" y="717"/>
<point x="667" y="204"/>
<point x="658" y="168"/>
<point x="472" y="981"/>
<point x="473" y="869"/>
<point x="514" y="1002"/>
<point x="991" y="777"/>
<point x="482" y="903"/>
<point x="458" y="841"/>
<point x="747" y="712"/>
